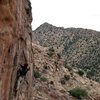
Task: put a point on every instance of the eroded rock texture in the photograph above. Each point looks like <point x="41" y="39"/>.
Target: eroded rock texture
<point x="15" y="47"/>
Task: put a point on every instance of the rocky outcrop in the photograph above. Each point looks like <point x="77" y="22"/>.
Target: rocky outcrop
<point x="52" y="81"/>
<point x="15" y="47"/>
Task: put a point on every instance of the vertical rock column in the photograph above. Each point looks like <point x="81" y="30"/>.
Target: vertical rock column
<point x="15" y="47"/>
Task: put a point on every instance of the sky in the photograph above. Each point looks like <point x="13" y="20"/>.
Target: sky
<point x="67" y="13"/>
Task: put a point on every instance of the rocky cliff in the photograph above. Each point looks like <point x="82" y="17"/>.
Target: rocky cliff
<point x="15" y="47"/>
<point x="47" y="78"/>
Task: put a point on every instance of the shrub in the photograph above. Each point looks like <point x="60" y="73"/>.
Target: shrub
<point x="45" y="67"/>
<point x="78" y="92"/>
<point x="59" y="55"/>
<point x="71" y="73"/>
<point x="44" y="79"/>
<point x="80" y="72"/>
<point x="44" y="71"/>
<point x="66" y="77"/>
<point x="90" y="73"/>
<point x="51" y="51"/>
<point x="36" y="74"/>
<point x="56" y="63"/>
<point x="63" y="81"/>
<point x="51" y="82"/>
<point x="68" y="67"/>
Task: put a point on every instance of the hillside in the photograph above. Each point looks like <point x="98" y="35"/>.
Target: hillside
<point x="52" y="81"/>
<point x="79" y="47"/>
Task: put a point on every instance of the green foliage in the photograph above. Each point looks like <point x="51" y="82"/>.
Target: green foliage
<point x="78" y="92"/>
<point x="36" y="74"/>
<point x="80" y="72"/>
<point x="91" y="72"/>
<point x="44" y="79"/>
<point x="66" y="77"/>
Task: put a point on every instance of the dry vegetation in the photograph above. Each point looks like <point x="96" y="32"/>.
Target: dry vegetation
<point x="52" y="81"/>
<point x="80" y="48"/>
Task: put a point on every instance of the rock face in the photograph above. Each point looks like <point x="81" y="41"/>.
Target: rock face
<point x="47" y="78"/>
<point x="15" y="47"/>
<point x="79" y="47"/>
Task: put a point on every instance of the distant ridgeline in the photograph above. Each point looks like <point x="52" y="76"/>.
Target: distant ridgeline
<point x="80" y="48"/>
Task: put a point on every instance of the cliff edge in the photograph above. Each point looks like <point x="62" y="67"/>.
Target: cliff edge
<point x="15" y="46"/>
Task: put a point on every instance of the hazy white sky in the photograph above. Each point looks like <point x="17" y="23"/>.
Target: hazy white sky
<point x="67" y="13"/>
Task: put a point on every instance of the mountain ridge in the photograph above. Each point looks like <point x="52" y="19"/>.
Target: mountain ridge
<point x="61" y="27"/>
<point x="79" y="47"/>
